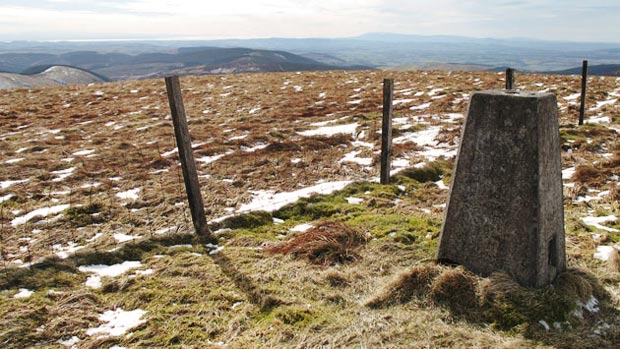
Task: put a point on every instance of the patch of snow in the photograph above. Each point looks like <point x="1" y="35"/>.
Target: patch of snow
<point x="441" y="185"/>
<point x="302" y="227"/>
<point x="598" y="120"/>
<point x="402" y="101"/>
<point x="599" y="105"/>
<point x="421" y="138"/>
<point x="63" y="252"/>
<point x="355" y="201"/>
<point x="269" y="200"/>
<point x="23" y="293"/>
<point x="93" y="281"/>
<point x="573" y="97"/>
<point x="596" y="222"/>
<point x="110" y="270"/>
<point x="63" y="174"/>
<point x="13" y="161"/>
<point x="6" y="197"/>
<point x="163" y="230"/>
<point x="352" y="157"/>
<point x="544" y="324"/>
<point x="71" y="342"/>
<point x="331" y="130"/>
<point x="181" y="246"/>
<point x="84" y="152"/>
<point x="568" y="173"/>
<point x="209" y="159"/>
<point x="6" y="184"/>
<point x="168" y="153"/>
<point x="41" y="212"/>
<point x="117" y="322"/>
<point x="421" y="106"/>
<point x="605" y="253"/>
<point x="120" y="238"/>
<point x="357" y="101"/>
<point x="254" y="148"/>
<point x="131" y="194"/>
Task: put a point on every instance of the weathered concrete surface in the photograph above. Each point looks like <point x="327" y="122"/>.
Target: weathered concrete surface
<point x="504" y="209"/>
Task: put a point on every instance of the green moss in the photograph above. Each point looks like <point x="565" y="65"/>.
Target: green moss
<point x="292" y="315"/>
<point x="248" y="220"/>
<point x="81" y="216"/>
<point x="401" y="227"/>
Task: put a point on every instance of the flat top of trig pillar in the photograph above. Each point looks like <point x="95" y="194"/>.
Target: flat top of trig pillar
<point x="516" y="93"/>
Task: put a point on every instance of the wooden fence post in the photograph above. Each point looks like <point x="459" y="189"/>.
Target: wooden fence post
<point x="584" y="85"/>
<point x="184" y="143"/>
<point x="510" y="78"/>
<point x="386" y="130"/>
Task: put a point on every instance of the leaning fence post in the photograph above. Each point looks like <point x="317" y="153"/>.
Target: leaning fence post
<point x="386" y="130"/>
<point x="584" y="86"/>
<point x="510" y="78"/>
<point x="184" y="143"/>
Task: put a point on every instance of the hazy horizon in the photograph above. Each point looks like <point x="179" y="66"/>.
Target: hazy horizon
<point x="130" y="20"/>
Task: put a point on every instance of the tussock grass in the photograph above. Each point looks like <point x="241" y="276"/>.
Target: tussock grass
<point x="327" y="243"/>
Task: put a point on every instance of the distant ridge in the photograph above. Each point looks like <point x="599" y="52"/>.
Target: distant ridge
<point x="181" y="61"/>
<point x="49" y="76"/>
<point x="597" y="70"/>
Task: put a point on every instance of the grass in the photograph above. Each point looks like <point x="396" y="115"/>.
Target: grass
<point x="362" y="277"/>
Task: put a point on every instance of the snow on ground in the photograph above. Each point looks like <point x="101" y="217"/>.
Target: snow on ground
<point x="331" y="130"/>
<point x="131" y="194"/>
<point x="599" y="105"/>
<point x="117" y="322"/>
<point x="41" y="212"/>
<point x="63" y="252"/>
<point x="421" y="106"/>
<point x="597" y="222"/>
<point x="269" y="200"/>
<point x="598" y="120"/>
<point x="120" y="238"/>
<point x="568" y="173"/>
<point x="6" y="184"/>
<point x="23" y="293"/>
<point x="605" y="253"/>
<point x="402" y="101"/>
<point x="84" y="152"/>
<point x="71" y="342"/>
<point x="6" y="197"/>
<point x="352" y="157"/>
<point x="209" y="159"/>
<point x="354" y="201"/>
<point x="94" y="281"/>
<point x="14" y="161"/>
<point x="63" y="174"/>
<point x="302" y="227"/>
<point x="254" y="148"/>
<point x="573" y="97"/>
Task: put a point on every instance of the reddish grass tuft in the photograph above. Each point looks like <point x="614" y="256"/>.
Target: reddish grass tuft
<point x="328" y="243"/>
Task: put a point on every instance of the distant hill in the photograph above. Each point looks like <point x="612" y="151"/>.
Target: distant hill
<point x="182" y="61"/>
<point x="50" y="76"/>
<point x="597" y="70"/>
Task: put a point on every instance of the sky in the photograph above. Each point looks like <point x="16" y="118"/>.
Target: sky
<point x="570" y="20"/>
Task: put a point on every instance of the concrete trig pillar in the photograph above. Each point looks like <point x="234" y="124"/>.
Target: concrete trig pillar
<point x="505" y="209"/>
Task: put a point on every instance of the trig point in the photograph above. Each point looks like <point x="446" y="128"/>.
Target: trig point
<point x="505" y="209"/>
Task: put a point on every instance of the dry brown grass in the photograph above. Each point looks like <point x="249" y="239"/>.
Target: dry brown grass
<point x="327" y="243"/>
